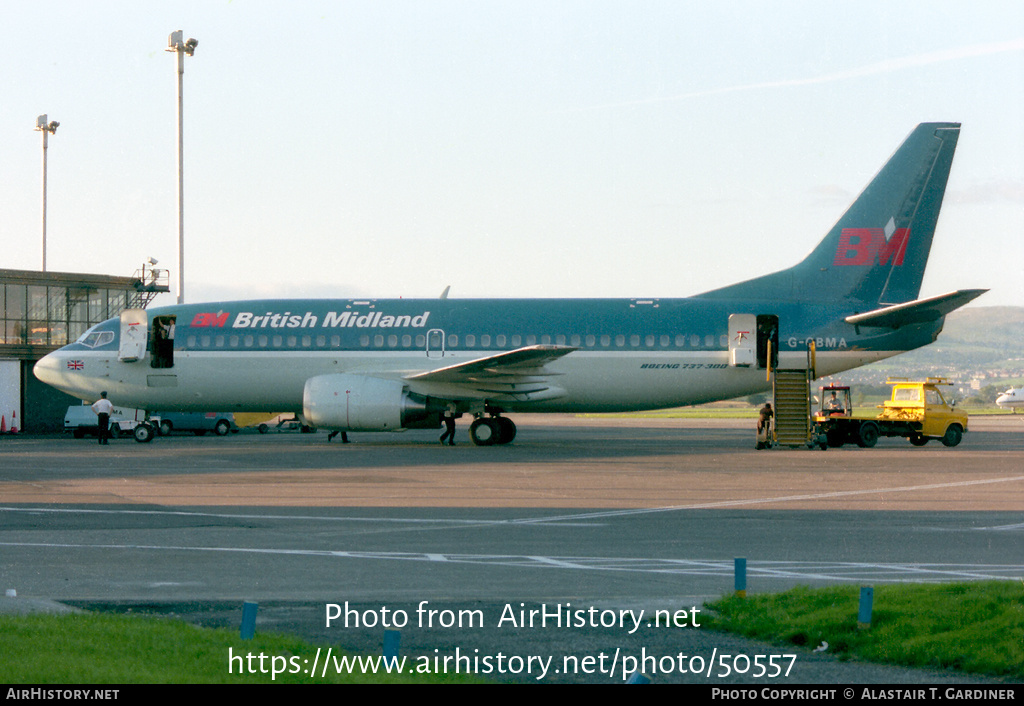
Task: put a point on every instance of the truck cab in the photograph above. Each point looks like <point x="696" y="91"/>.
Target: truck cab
<point x="922" y="404"/>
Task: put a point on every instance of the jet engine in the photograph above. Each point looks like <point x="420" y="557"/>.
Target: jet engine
<point x="362" y="403"/>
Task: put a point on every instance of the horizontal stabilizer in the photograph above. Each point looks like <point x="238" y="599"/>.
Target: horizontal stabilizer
<point x="915" y="312"/>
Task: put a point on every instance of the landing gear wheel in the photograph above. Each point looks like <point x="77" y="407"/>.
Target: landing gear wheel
<point x="506" y="430"/>
<point x="953" y="435"/>
<point x="485" y="431"/>
<point x="144" y="433"/>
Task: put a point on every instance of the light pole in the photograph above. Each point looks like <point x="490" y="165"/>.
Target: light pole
<point x="47" y="128"/>
<point x="181" y="48"/>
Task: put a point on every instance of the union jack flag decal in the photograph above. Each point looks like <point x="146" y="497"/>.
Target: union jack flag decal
<point x="75" y="365"/>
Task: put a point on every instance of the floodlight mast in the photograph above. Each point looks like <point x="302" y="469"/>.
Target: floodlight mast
<point x="181" y="48"/>
<point x="47" y="128"/>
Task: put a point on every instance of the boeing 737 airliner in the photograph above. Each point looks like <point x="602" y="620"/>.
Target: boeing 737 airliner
<point x="387" y="365"/>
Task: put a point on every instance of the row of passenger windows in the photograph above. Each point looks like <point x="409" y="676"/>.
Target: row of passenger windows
<point x="437" y="341"/>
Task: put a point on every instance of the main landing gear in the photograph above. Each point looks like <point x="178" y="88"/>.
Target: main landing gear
<point x="487" y="431"/>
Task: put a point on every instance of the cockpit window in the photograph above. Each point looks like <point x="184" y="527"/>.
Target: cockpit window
<point x="95" y="339"/>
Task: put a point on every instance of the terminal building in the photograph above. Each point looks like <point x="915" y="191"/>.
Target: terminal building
<point x="42" y="311"/>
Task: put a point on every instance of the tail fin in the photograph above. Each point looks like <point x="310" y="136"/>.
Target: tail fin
<point x="877" y="252"/>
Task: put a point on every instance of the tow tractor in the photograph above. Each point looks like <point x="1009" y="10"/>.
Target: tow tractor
<point x="917" y="411"/>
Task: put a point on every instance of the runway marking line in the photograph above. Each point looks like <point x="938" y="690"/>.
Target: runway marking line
<point x="803" y="570"/>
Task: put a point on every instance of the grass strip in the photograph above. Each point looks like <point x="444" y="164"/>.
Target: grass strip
<point x="118" y="649"/>
<point x="970" y="627"/>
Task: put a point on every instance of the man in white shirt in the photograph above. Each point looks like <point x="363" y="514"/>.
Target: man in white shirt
<point x="103" y="407"/>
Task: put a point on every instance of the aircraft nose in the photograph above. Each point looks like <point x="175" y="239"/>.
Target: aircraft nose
<point x="47" y="369"/>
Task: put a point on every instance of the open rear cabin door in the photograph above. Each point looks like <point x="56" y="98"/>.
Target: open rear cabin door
<point x="767" y="341"/>
<point x="742" y="340"/>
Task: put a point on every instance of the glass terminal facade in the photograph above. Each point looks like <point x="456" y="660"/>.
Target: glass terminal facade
<point x="54" y="315"/>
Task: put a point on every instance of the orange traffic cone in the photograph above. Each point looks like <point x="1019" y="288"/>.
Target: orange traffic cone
<point x="3" y="424"/>
<point x="14" y="422"/>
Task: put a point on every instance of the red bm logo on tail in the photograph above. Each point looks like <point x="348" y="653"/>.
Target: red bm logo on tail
<point x="868" y="246"/>
<point x="217" y="320"/>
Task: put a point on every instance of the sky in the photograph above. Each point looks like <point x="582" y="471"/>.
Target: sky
<point x="527" y="148"/>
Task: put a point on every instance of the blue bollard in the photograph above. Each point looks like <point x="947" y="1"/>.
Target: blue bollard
<point x="392" y="643"/>
<point x="740" y="570"/>
<point x="867" y="597"/>
<point x="249" y="619"/>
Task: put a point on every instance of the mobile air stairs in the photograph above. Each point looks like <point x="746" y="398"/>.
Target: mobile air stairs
<point x="791" y="390"/>
<point x="754" y="343"/>
<point x="791" y="394"/>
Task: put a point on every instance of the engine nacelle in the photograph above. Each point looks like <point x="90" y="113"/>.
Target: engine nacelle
<point x="361" y="403"/>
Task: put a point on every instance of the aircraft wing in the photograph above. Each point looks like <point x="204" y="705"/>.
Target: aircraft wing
<point x="515" y="375"/>
<point x="915" y="312"/>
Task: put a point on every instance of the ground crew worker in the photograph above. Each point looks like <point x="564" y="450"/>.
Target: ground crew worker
<point x="764" y="422"/>
<point x="449" y="427"/>
<point x="103" y="407"/>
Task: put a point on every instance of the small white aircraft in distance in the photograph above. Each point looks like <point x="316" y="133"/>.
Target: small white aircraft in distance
<point x="1011" y="399"/>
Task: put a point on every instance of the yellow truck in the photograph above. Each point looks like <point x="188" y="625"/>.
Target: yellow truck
<point x="917" y="411"/>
